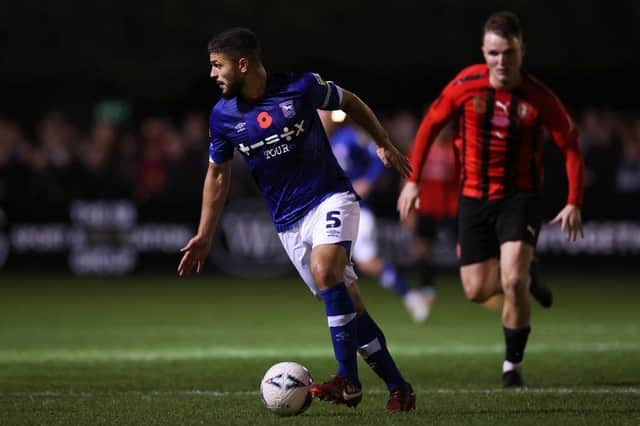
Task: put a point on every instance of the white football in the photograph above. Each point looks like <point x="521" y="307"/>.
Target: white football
<point x="285" y="388"/>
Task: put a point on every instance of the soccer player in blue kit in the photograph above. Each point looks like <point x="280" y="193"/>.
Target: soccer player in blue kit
<point x="271" y="120"/>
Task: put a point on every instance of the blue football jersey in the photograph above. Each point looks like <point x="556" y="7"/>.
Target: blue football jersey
<point x="283" y="142"/>
<point x="356" y="154"/>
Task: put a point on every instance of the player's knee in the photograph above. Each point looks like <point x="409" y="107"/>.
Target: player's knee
<point x="476" y="295"/>
<point x="513" y="284"/>
<point x="325" y="276"/>
<point x="474" y="290"/>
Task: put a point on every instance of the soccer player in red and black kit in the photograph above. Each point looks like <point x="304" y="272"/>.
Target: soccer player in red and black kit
<point x="502" y="112"/>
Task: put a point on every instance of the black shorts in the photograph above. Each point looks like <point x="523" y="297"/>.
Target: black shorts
<point x="484" y="225"/>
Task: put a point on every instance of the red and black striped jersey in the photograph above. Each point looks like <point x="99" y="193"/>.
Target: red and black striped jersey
<point x="500" y="135"/>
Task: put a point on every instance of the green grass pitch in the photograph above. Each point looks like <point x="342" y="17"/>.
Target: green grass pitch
<point x="159" y="350"/>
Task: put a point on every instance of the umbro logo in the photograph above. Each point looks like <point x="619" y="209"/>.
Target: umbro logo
<point x="241" y="126"/>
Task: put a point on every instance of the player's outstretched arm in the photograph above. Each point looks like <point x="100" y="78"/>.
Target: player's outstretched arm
<point x="364" y="116"/>
<point x="214" y="194"/>
<point x="570" y="219"/>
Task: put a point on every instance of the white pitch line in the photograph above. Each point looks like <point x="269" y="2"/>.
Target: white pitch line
<point x="372" y="391"/>
<point x="204" y="353"/>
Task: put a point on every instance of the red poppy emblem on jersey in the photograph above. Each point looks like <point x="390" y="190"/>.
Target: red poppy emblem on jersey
<point x="523" y="110"/>
<point x="264" y="119"/>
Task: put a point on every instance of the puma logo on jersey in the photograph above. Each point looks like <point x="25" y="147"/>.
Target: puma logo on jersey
<point x="531" y="230"/>
<point x="498" y="134"/>
<point x="504" y="106"/>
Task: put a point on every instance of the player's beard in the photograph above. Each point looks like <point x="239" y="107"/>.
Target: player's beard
<point x="233" y="89"/>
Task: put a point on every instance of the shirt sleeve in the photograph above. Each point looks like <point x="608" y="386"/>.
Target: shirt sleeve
<point x="220" y="149"/>
<point x="565" y="135"/>
<point x="323" y="94"/>
<point x="438" y="114"/>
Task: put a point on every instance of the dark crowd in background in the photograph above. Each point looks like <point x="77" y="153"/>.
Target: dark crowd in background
<point x="160" y="163"/>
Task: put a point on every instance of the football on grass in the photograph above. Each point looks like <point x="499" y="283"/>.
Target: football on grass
<point x="285" y="388"/>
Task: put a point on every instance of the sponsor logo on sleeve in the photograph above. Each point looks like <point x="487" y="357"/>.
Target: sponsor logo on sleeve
<point x="287" y="108"/>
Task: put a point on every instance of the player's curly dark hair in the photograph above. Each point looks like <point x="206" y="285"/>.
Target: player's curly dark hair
<point x="505" y="24"/>
<point x="236" y="41"/>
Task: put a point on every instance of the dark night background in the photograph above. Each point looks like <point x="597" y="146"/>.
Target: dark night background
<point x="60" y="61"/>
<point x="73" y="53"/>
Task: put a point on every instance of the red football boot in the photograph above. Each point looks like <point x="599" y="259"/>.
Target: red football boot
<point x="401" y="400"/>
<point x="338" y="390"/>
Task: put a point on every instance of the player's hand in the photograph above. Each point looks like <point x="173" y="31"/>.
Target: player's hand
<point x="195" y="253"/>
<point x="570" y="220"/>
<point x="407" y="199"/>
<point x="391" y="157"/>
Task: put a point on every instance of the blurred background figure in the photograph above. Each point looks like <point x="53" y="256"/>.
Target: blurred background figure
<point x="356" y="153"/>
<point x="436" y="208"/>
<point x="627" y="179"/>
<point x="601" y="143"/>
<point x="195" y="140"/>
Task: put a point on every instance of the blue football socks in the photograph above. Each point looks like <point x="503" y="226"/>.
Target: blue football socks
<point x="372" y="345"/>
<point x="341" y="315"/>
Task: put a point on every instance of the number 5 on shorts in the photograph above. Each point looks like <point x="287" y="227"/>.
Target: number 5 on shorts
<point x="333" y="219"/>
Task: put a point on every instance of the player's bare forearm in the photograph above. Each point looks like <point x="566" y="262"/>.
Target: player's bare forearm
<point x="362" y="115"/>
<point x="360" y="112"/>
<point x="214" y="195"/>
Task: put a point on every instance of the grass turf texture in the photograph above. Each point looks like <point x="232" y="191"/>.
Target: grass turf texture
<point x="158" y="350"/>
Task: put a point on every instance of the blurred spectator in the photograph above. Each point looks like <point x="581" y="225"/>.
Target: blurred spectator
<point x="152" y="172"/>
<point x="601" y="145"/>
<point x="628" y="172"/>
<point x="195" y="131"/>
<point x="55" y="170"/>
<point x="195" y="160"/>
<point x="108" y="173"/>
<point x="162" y="166"/>
<point x="13" y="167"/>
<point x="185" y="171"/>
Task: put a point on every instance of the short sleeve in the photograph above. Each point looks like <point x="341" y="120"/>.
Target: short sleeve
<point x="220" y="149"/>
<point x="324" y="95"/>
